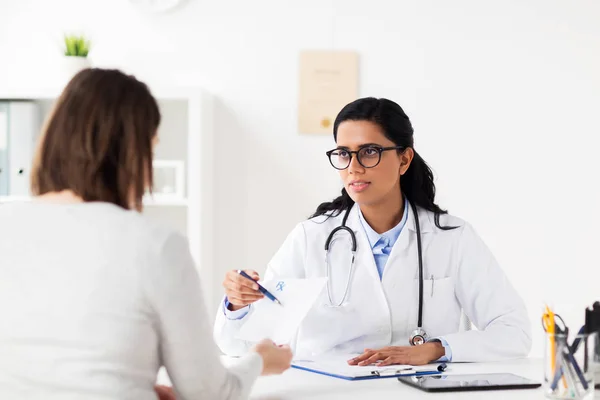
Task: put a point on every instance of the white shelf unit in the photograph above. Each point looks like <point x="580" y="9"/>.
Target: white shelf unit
<point x="187" y="112"/>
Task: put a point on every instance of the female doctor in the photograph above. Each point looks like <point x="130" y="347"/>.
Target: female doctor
<point x="417" y="271"/>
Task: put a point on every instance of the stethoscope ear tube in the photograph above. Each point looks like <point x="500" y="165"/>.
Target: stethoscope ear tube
<point x="341" y="228"/>
<point x="420" y="256"/>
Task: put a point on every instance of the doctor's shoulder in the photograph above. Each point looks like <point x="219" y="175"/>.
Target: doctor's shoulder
<point x="324" y="223"/>
<point x="313" y="230"/>
<point x="456" y="230"/>
<point x="447" y="226"/>
<point x="444" y="223"/>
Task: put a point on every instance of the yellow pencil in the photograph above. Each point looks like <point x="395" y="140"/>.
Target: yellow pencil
<point x="551" y="331"/>
<point x="549" y="318"/>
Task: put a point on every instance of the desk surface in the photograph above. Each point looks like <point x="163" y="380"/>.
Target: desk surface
<point x="296" y="384"/>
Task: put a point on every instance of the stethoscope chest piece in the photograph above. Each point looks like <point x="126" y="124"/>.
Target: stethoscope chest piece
<point x="418" y="337"/>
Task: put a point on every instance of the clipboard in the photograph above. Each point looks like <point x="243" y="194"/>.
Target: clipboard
<point x="351" y="373"/>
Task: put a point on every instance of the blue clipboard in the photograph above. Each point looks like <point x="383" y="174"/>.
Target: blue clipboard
<point x="390" y="373"/>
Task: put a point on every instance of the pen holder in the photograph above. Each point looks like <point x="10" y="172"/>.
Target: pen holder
<point x="569" y="366"/>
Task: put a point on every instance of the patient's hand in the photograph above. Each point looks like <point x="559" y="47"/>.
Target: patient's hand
<point x="164" y="392"/>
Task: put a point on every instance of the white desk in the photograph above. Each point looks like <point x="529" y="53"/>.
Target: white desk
<point x="296" y="384"/>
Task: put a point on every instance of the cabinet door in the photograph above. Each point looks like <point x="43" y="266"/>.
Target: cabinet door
<point x="3" y="149"/>
<point x="23" y="126"/>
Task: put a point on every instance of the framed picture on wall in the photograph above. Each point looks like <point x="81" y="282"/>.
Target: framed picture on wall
<point x="328" y="81"/>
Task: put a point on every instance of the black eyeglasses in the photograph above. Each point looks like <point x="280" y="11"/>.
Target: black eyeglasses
<point x="368" y="156"/>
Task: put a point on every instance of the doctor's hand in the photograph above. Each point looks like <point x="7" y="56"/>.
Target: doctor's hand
<point x="276" y="359"/>
<point x="412" y="355"/>
<point x="241" y="291"/>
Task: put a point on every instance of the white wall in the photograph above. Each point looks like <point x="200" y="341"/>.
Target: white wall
<point x="504" y="97"/>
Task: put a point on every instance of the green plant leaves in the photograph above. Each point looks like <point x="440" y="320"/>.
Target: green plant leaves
<point x="76" y="46"/>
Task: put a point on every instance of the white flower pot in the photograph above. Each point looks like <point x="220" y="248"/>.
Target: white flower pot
<point x="72" y="65"/>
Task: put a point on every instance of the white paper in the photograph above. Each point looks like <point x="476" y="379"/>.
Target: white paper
<point x="338" y="365"/>
<point x="279" y="323"/>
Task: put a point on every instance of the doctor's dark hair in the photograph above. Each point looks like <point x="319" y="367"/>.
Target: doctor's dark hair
<point x="417" y="183"/>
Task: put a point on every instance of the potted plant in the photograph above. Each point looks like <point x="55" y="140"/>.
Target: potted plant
<point x="76" y="52"/>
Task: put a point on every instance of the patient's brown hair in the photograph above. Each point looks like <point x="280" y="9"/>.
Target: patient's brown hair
<point x="98" y="140"/>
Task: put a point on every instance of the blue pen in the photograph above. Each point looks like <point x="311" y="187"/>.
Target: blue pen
<point x="576" y="342"/>
<point x="261" y="288"/>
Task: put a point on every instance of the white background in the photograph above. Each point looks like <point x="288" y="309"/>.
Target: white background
<point x="504" y="97"/>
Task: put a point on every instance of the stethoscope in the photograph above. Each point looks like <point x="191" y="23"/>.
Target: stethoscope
<point x="418" y="336"/>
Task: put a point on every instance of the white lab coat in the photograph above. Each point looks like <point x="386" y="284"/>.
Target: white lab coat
<point x="466" y="281"/>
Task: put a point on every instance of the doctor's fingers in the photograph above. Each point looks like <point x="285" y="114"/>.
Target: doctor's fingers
<point x="240" y="284"/>
<point x="373" y="359"/>
<point x="241" y="288"/>
<point x="369" y="356"/>
<point x="373" y="356"/>
<point x="233" y="276"/>
<point x="395" y="359"/>
<point x="242" y="300"/>
<point x="247" y="297"/>
<point x="366" y="354"/>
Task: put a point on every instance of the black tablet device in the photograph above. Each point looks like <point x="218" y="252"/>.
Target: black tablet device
<point x="460" y="383"/>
